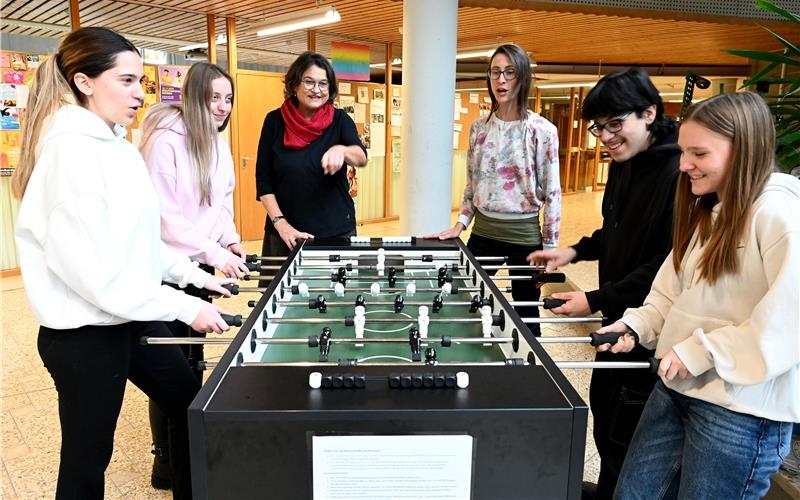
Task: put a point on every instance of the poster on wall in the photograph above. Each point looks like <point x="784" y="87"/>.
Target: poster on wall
<point x="171" y="80"/>
<point x="350" y="61"/>
<point x="11" y="142"/>
<point x="347" y="103"/>
<point x="9" y="118"/>
<point x="150" y="88"/>
<point x="363" y="95"/>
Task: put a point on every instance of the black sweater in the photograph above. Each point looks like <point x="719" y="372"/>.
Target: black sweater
<point x="637" y="228"/>
<point x="311" y="201"/>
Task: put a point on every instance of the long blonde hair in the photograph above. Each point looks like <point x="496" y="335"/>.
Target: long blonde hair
<point x="90" y="51"/>
<point x="200" y="127"/>
<point x="745" y="119"/>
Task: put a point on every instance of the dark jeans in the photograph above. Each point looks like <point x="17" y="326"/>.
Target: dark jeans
<point x="688" y="448"/>
<point x="90" y="367"/>
<point x="617" y="398"/>
<point x="520" y="289"/>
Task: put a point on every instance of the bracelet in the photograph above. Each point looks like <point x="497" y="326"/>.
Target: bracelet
<point x="276" y="218"/>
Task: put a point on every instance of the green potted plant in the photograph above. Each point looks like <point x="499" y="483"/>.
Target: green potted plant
<point x="783" y="96"/>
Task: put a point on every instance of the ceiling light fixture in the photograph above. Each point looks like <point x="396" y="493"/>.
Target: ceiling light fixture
<point x="475" y="52"/>
<point x="564" y="85"/>
<point x="221" y="39"/>
<point x="395" y="62"/>
<point x="297" y="21"/>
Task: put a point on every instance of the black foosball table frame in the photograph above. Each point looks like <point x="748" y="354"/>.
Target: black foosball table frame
<point x="252" y="425"/>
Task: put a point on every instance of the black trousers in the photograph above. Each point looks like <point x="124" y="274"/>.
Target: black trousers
<point x="159" y="420"/>
<point x="521" y="289"/>
<point x="90" y="367"/>
<point x="617" y="398"/>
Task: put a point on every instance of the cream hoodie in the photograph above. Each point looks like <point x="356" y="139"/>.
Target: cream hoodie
<point x="88" y="232"/>
<point x="741" y="337"/>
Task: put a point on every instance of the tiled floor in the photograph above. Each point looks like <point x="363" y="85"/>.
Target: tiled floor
<point x="28" y="405"/>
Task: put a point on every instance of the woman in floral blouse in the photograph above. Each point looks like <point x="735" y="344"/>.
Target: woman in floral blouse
<point x="512" y="175"/>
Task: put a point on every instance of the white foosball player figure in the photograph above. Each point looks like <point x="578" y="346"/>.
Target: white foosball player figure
<point x="423" y="321"/>
<point x="486" y="322"/>
<point x="359" y="321"/>
<point x="302" y="289"/>
<point x="411" y="289"/>
<point x="375" y="289"/>
<point x="338" y="289"/>
<point x="446" y="289"/>
<point x="381" y="261"/>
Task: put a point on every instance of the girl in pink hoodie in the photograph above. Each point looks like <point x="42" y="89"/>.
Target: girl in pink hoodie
<point x="192" y="171"/>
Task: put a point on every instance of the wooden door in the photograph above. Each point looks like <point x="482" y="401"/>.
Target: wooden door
<point x="257" y="93"/>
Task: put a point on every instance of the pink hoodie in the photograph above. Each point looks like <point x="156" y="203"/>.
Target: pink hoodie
<point x="201" y="232"/>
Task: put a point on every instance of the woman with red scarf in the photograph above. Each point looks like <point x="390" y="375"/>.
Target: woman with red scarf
<point x="301" y="174"/>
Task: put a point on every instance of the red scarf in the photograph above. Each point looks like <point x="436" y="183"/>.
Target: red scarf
<point x="300" y="131"/>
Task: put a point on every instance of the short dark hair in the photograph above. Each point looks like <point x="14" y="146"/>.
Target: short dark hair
<point x="295" y="74"/>
<point x="627" y="91"/>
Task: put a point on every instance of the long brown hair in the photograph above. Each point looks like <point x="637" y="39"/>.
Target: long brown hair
<point x="201" y="130"/>
<point x="522" y="67"/>
<point x="745" y="120"/>
<point x="90" y="51"/>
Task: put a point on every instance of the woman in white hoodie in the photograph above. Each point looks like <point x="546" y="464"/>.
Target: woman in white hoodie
<point x="722" y="315"/>
<point x="92" y="260"/>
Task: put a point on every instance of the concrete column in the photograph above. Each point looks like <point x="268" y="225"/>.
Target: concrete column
<point x="429" y="68"/>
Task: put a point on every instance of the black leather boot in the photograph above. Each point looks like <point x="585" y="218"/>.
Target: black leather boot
<point x="161" y="478"/>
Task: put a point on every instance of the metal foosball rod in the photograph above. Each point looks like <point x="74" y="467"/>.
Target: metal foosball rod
<point x="559" y="319"/>
<point x="493" y="267"/>
<point x="253" y="258"/>
<point x="337" y="278"/>
<point x="497" y="320"/>
<point x="349" y="267"/>
<point x="389" y="254"/>
<point x="477" y="302"/>
<point x="312" y="341"/>
<point x="294" y="289"/>
<point x="594" y="339"/>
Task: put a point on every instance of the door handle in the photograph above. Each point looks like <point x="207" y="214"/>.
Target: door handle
<point x="245" y="159"/>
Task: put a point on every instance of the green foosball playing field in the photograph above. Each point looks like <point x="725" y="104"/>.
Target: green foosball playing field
<point x="339" y="307"/>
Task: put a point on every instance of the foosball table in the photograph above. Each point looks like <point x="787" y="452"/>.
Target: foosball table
<point x="386" y="368"/>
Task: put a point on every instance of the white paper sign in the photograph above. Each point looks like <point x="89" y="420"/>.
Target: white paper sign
<point x="344" y="87"/>
<point x="392" y="467"/>
<point x="473" y="98"/>
<point x="360" y="112"/>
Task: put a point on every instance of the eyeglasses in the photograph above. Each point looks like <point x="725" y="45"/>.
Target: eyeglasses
<point x="309" y="84"/>
<point x="613" y="125"/>
<point x="509" y="73"/>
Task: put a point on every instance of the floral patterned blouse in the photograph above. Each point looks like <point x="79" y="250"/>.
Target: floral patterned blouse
<point x="513" y="169"/>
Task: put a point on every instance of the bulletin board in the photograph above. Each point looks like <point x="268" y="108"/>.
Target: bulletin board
<point x="469" y="106"/>
<point x="17" y="73"/>
<point x="366" y="104"/>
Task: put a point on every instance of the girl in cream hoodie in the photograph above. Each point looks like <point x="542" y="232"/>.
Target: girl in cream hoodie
<point x="723" y="315"/>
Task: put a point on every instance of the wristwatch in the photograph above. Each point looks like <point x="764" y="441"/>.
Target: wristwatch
<point x="276" y="218"/>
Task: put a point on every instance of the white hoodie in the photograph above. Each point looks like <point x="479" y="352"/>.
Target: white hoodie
<point x="740" y="338"/>
<point x="88" y="232"/>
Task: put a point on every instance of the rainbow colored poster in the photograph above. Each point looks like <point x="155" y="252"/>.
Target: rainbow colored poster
<point x="350" y="61"/>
